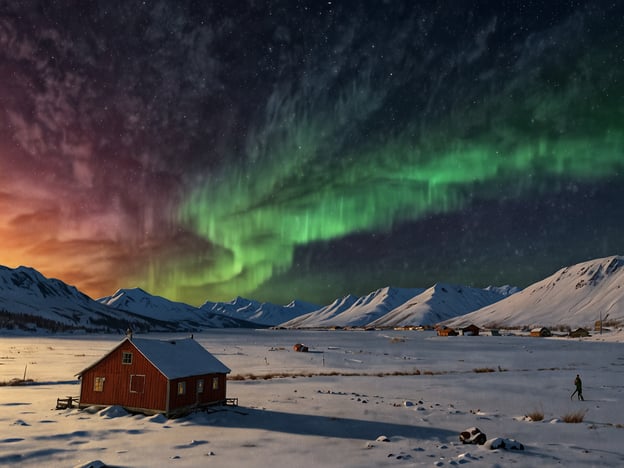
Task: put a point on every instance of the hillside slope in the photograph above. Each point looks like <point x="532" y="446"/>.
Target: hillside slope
<point x="438" y="303"/>
<point x="574" y="296"/>
<point x="29" y="301"/>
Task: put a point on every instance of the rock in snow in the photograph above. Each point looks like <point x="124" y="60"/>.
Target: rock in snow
<point x="501" y="443"/>
<point x="472" y="435"/>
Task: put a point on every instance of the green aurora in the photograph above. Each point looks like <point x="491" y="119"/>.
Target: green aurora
<point x="377" y="144"/>
<point x="257" y="215"/>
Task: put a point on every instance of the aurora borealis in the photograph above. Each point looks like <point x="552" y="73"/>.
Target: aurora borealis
<point x="279" y="150"/>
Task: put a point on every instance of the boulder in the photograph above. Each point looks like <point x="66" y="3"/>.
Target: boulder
<point x="501" y="443"/>
<point x="472" y="435"/>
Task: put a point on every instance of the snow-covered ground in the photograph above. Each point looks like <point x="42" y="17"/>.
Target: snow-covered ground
<point x="333" y="420"/>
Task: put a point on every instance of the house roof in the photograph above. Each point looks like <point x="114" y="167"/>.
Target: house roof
<point x="175" y="358"/>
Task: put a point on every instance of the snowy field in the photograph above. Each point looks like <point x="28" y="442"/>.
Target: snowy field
<point x="363" y="420"/>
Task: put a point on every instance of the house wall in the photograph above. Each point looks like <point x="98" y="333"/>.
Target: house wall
<point x="116" y="389"/>
<point x="191" y="397"/>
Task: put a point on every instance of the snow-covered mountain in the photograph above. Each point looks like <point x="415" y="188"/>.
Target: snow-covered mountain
<point x="183" y="315"/>
<point x="263" y="313"/>
<point x="356" y="312"/>
<point x="29" y="300"/>
<point x="238" y="307"/>
<point x="575" y="296"/>
<point x="438" y="303"/>
<point x="505" y="290"/>
<point x="323" y="315"/>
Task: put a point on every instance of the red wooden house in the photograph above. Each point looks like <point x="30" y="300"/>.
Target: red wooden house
<point x="153" y="376"/>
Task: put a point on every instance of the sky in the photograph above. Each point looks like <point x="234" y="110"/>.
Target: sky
<point x="279" y="150"/>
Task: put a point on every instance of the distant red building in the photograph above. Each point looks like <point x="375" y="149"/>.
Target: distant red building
<point x="446" y="331"/>
<point x="153" y="376"/>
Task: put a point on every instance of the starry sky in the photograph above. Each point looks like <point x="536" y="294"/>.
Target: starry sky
<point x="308" y="149"/>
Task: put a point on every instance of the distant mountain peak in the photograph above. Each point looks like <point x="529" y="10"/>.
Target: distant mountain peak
<point x="505" y="290"/>
<point x="573" y="296"/>
<point x="54" y="305"/>
<point x="593" y="272"/>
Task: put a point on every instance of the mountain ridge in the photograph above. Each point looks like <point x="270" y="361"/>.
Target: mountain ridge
<point x="575" y="295"/>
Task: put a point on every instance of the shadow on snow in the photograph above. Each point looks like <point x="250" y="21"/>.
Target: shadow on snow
<point x="307" y="424"/>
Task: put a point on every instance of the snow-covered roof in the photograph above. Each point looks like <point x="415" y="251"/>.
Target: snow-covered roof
<point x="176" y="358"/>
<point x="179" y="358"/>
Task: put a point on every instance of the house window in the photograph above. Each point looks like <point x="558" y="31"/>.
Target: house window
<point x="137" y="383"/>
<point x="215" y="383"/>
<point x="181" y="388"/>
<point x="126" y="358"/>
<point x="200" y="386"/>
<point x="98" y="384"/>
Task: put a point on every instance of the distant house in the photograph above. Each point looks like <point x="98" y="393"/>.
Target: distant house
<point x="153" y="376"/>
<point x="579" y="333"/>
<point x="471" y="330"/>
<point x="543" y="331"/>
<point x="446" y="331"/>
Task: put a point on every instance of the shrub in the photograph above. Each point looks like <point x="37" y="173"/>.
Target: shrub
<point x="535" y="415"/>
<point x="574" y="417"/>
<point x="481" y="370"/>
<point x="281" y="375"/>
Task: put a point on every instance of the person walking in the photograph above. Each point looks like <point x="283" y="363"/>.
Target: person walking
<point x="578" y="383"/>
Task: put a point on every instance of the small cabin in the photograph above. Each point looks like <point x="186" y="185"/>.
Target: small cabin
<point x="153" y="376"/>
<point x="579" y="333"/>
<point x="446" y="331"/>
<point x="543" y="331"/>
<point x="471" y="330"/>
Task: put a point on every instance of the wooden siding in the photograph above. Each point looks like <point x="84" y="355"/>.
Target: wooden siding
<point x="117" y="376"/>
<point x="192" y="398"/>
